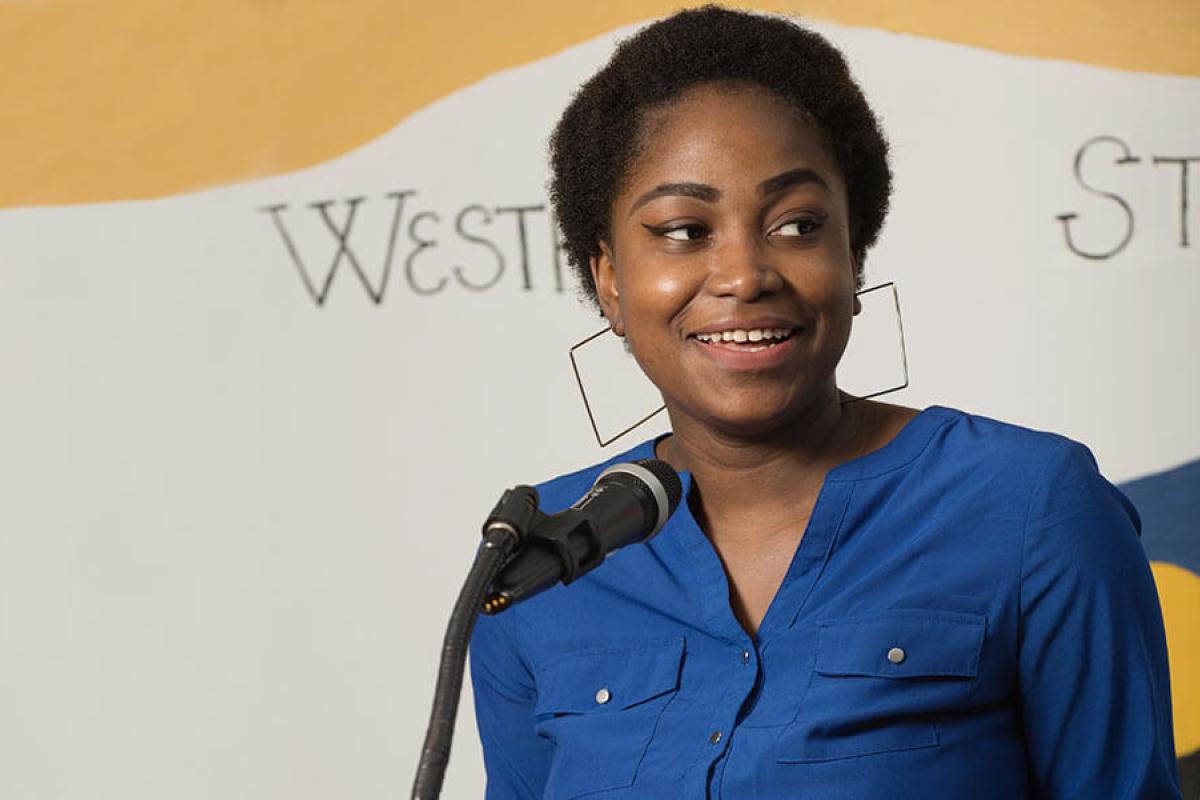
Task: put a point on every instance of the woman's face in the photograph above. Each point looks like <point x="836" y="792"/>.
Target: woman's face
<point x="729" y="268"/>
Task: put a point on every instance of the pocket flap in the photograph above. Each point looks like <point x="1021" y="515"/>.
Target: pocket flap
<point x="902" y="643"/>
<point x="609" y="679"/>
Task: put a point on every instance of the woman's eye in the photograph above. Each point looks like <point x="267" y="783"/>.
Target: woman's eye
<point x="798" y="227"/>
<point x="678" y="233"/>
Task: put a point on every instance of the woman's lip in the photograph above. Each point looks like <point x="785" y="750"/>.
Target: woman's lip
<point x="745" y="359"/>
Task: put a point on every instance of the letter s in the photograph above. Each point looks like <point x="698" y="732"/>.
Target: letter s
<point x="1127" y="158"/>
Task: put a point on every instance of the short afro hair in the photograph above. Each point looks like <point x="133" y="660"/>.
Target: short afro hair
<point x="596" y="139"/>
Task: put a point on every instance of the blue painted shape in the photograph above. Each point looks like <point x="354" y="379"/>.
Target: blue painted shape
<point x="1169" y="504"/>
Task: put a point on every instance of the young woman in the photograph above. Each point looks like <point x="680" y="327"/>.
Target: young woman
<point x="857" y="600"/>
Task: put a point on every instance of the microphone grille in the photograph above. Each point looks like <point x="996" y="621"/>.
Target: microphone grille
<point x="667" y="477"/>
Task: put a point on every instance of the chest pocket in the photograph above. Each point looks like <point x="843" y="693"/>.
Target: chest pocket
<point x="879" y="684"/>
<point x="601" y="708"/>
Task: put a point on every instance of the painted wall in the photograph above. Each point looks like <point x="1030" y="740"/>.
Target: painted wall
<point x="263" y="270"/>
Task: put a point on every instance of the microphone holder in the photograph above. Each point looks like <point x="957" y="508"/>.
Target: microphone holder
<point x="505" y="528"/>
<point x="566" y="539"/>
<point x="559" y="548"/>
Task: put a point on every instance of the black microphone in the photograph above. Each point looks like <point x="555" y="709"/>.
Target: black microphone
<point x="627" y="503"/>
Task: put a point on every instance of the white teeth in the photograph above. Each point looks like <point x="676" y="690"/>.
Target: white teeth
<point x="742" y="335"/>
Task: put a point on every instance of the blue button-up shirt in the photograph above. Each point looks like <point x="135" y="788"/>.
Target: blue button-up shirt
<point x="969" y="614"/>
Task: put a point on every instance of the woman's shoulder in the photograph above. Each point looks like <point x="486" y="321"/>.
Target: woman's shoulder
<point x="940" y="440"/>
<point x="1040" y="452"/>
<point x="991" y="439"/>
<point x="1055" y="473"/>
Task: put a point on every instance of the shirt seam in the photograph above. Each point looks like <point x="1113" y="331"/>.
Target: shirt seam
<point x="513" y="769"/>
<point x="660" y="643"/>
<point x="1038" y="483"/>
<point x="520" y="648"/>
<point x="829" y="548"/>
<point x="903" y="464"/>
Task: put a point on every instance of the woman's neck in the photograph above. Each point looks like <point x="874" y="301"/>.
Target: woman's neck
<point x="740" y="476"/>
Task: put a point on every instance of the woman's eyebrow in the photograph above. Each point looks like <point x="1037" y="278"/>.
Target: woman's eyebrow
<point x="700" y="191"/>
<point x="791" y="178"/>
<point x="711" y="194"/>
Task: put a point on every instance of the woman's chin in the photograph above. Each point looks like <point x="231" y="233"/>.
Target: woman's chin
<point x="751" y="420"/>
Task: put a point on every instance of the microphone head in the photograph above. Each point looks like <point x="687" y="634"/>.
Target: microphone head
<point x="659" y="481"/>
<point x="669" y="479"/>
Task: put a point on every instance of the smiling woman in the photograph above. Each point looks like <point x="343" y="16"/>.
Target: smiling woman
<point x="858" y="599"/>
<point x="755" y="240"/>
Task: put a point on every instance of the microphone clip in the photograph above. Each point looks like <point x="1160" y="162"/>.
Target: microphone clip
<point x="568" y="535"/>
<point x="627" y="503"/>
<point x="567" y="538"/>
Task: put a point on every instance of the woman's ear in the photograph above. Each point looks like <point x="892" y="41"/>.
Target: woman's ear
<point x="604" y="275"/>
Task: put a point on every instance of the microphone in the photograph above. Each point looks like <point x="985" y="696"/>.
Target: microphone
<point x="628" y="503"/>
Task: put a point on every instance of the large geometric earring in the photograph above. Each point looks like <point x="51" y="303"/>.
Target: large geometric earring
<point x="602" y="354"/>
<point x="867" y="338"/>
<point x="874" y="344"/>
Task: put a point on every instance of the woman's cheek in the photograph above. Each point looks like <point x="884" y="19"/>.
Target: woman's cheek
<point x="670" y="284"/>
<point x="655" y="290"/>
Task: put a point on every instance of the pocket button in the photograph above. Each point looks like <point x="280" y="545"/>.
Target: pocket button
<point x="896" y="655"/>
<point x="603" y="696"/>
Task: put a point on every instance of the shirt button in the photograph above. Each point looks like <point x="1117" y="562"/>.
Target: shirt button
<point x="715" y="738"/>
<point x="896" y="655"/>
<point x="603" y="696"/>
<point x="745" y="656"/>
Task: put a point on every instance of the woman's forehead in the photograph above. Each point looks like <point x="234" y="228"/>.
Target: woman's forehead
<point x="730" y="132"/>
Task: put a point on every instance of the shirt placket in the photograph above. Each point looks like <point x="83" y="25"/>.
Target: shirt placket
<point x="705" y="779"/>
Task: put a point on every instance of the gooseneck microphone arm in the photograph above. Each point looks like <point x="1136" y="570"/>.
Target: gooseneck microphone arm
<point x="524" y="552"/>
<point x="503" y="532"/>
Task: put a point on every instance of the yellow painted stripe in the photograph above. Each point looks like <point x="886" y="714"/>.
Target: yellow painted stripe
<point x="141" y="98"/>
<point x="1179" y="593"/>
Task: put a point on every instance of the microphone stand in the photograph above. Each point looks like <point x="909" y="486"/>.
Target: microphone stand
<point x="502" y="534"/>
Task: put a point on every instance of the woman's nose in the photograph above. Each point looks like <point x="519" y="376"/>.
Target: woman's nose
<point x="744" y="269"/>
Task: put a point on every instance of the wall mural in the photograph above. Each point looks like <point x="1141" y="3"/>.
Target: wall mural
<point x="261" y="392"/>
